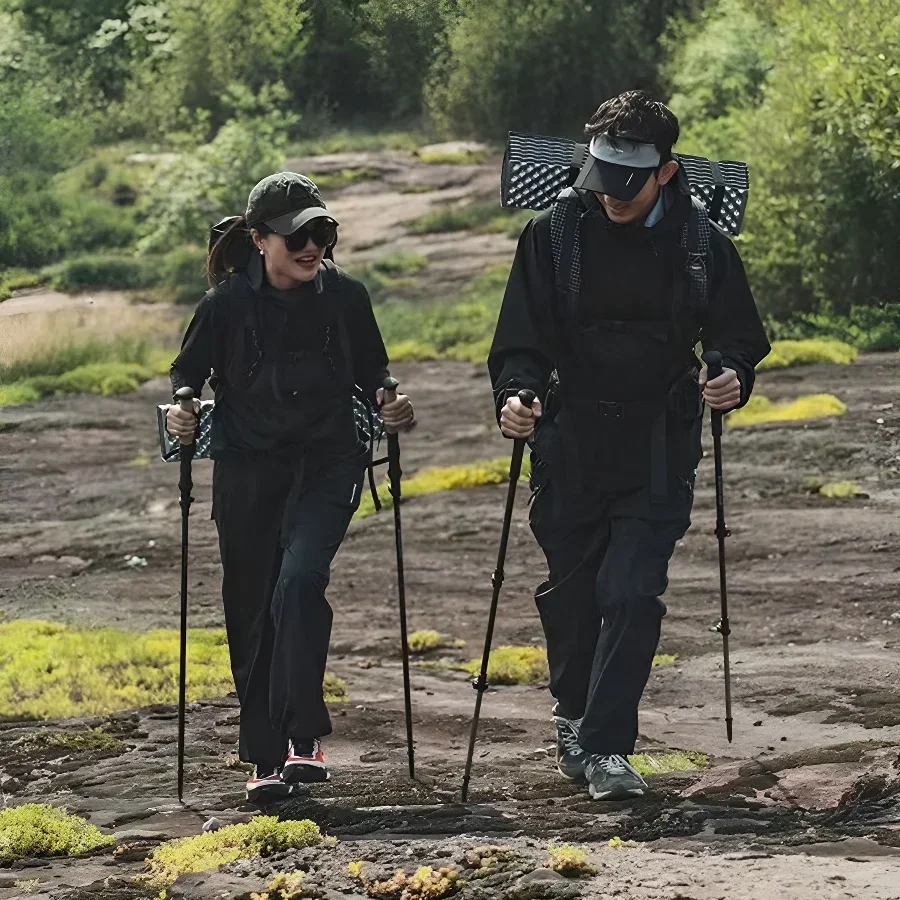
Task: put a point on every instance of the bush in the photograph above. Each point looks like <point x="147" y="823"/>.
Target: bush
<point x="483" y="218"/>
<point x="569" y="861"/>
<point x="761" y="411"/>
<point x="182" y="274"/>
<point x="104" y="272"/>
<point x="424" y="641"/>
<point x="262" y="836"/>
<point x="33" y="831"/>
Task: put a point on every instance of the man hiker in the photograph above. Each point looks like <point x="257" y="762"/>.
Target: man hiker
<point x="616" y="430"/>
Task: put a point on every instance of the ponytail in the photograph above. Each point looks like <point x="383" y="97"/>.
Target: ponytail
<point x="229" y="249"/>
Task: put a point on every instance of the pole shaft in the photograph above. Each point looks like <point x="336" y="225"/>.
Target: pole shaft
<point x="185" y="487"/>
<point x="515" y="470"/>
<point x="724" y="626"/>
<point x="395" y="474"/>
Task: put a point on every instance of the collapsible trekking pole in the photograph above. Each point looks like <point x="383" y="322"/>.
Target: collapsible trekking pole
<point x="713" y="362"/>
<point x="394" y="474"/>
<point x="185" y="399"/>
<point x="480" y="684"/>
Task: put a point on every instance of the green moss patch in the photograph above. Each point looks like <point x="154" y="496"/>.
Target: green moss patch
<point x="762" y="411"/>
<point x="41" y="831"/>
<point x="514" y="665"/>
<point x="263" y="836"/>
<point x="649" y="764"/>
<point x="336" y="181"/>
<point x="449" y="478"/>
<point x="52" y="671"/>
<point x="797" y="353"/>
<point x="481" y="217"/>
<point x="95" y="742"/>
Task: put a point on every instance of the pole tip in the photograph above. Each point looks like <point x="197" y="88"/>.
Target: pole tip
<point x="729" y="729"/>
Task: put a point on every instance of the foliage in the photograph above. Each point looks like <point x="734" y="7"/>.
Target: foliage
<point x="761" y="411"/>
<point x="821" y="135"/>
<point x="864" y="327"/>
<point x="648" y="764"/>
<point x="833" y="490"/>
<point x="262" y="836"/>
<point x="569" y="861"/>
<point x="797" y="353"/>
<point x="509" y="64"/>
<point x="664" y="659"/>
<point x="204" y="185"/>
<point x="50" y="671"/>
<point x="41" y="831"/>
<point x="452" y="158"/>
<point x="336" y="181"/>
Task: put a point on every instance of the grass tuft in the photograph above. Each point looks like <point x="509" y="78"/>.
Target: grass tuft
<point x="96" y="742"/>
<point x="425" y="884"/>
<point x="482" y="217"/>
<point x="807" y="352"/>
<point x="842" y="490"/>
<point x="41" y="831"/>
<point x="51" y="671"/>
<point x="452" y="157"/>
<point x="569" y="861"/>
<point x="761" y="411"/>
<point x="665" y="659"/>
<point x="263" y="836"/>
<point x="284" y="887"/>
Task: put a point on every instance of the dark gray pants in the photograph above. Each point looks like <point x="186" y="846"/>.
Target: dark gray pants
<point x="601" y="610"/>
<point x="278" y="533"/>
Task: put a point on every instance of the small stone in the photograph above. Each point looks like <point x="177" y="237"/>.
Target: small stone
<point x="212" y="825"/>
<point x="757" y="724"/>
<point x="374" y="756"/>
<point x="10" y="784"/>
<point x="541" y="875"/>
<point x="136" y="562"/>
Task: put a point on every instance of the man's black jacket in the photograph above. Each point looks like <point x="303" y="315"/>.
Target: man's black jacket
<point x="628" y="278"/>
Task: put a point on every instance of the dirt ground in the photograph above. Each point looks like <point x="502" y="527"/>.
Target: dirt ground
<point x="805" y="803"/>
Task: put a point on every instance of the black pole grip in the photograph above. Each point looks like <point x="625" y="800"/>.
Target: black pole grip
<point x="390" y="384"/>
<point x="527" y="398"/>
<point x="713" y="360"/>
<point x="185" y="399"/>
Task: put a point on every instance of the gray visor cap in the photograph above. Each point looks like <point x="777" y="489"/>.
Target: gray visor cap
<point x="290" y="222"/>
<point x="618" y="167"/>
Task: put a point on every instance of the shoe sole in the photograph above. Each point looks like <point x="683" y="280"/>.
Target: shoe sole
<point x="579" y="778"/>
<point x="305" y="773"/>
<point x="268" y="792"/>
<point x="627" y="794"/>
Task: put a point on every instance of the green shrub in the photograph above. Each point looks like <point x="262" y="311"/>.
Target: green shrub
<point x="452" y="158"/>
<point x="19" y="393"/>
<point x="400" y="265"/>
<point x="262" y="836"/>
<point x="106" y="271"/>
<point x="182" y="274"/>
<point x="424" y="641"/>
<point x="336" y="181"/>
<point x="569" y="861"/>
<point x="347" y="141"/>
<point x="106" y="379"/>
<point x="41" y="831"/>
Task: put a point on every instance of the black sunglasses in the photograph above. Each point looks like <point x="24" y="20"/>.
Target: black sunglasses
<point x="322" y="232"/>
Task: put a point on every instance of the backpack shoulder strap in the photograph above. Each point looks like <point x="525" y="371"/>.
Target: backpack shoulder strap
<point x="695" y="241"/>
<point x="565" y="240"/>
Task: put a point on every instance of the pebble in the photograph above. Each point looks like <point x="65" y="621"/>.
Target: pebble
<point x="212" y="825"/>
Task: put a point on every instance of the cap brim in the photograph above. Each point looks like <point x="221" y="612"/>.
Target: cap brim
<point x="621" y="182"/>
<point x="289" y="223"/>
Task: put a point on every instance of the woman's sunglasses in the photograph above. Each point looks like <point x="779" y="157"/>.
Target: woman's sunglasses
<point x="322" y="232"/>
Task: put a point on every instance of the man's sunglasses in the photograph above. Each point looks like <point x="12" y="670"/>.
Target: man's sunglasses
<point x="322" y="232"/>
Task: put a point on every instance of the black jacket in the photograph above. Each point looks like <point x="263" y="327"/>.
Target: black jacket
<point x="628" y="286"/>
<point x="283" y="364"/>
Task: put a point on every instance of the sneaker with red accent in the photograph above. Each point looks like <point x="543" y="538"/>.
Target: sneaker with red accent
<point x="305" y="763"/>
<point x="266" y="784"/>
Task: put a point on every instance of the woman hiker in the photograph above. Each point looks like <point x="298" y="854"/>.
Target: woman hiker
<point x="283" y="336"/>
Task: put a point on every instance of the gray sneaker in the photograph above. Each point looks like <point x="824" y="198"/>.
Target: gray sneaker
<point x="570" y="757"/>
<point x="612" y="778"/>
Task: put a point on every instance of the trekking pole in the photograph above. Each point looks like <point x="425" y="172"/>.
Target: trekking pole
<point x="394" y="474"/>
<point x="713" y="362"/>
<point x="480" y="684"/>
<point x="185" y="399"/>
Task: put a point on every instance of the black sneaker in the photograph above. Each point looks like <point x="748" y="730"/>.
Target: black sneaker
<point x="570" y="758"/>
<point x="305" y="763"/>
<point x="612" y="778"/>
<point x="266" y="784"/>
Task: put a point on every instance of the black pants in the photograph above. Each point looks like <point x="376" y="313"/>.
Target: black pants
<point x="278" y="533"/>
<point x="601" y="611"/>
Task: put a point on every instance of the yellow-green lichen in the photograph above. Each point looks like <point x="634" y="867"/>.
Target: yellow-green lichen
<point x="569" y="861"/>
